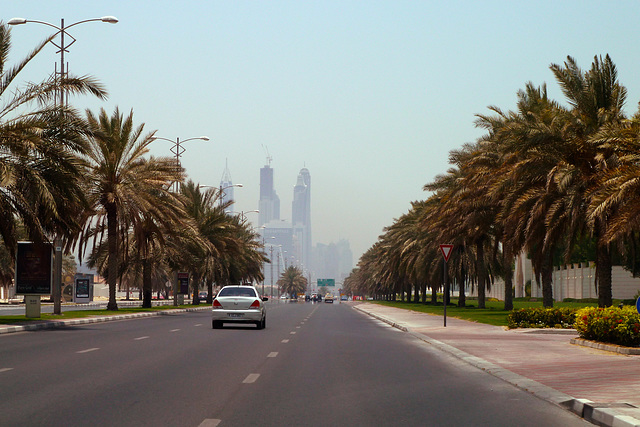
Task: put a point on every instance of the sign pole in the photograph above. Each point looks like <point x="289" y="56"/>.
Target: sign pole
<point x="446" y="291"/>
<point x="446" y="253"/>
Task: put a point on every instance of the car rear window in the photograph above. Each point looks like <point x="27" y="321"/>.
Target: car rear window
<point x="237" y="292"/>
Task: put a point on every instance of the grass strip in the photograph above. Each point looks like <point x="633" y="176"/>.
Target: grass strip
<point x="493" y="314"/>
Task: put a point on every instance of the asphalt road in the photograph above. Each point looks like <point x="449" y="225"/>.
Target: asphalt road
<point x="314" y="365"/>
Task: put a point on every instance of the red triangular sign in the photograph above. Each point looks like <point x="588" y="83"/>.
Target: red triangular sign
<point x="446" y="251"/>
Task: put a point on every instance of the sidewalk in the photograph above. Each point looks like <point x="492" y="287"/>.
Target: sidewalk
<point x="601" y="386"/>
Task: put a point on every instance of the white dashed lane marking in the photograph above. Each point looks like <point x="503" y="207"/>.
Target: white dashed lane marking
<point x="140" y="338"/>
<point x="174" y="330"/>
<point x="273" y="354"/>
<point x="285" y="341"/>
<point x="5" y="369"/>
<point x="209" y="423"/>
<point x="251" y="378"/>
<point x="89" y="350"/>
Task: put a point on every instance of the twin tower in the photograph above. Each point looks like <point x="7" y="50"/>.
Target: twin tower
<point x="289" y="240"/>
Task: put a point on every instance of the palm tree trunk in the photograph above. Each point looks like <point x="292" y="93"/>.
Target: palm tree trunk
<point x="146" y="283"/>
<point x="112" y="237"/>
<point x="462" y="298"/>
<point x="480" y="271"/>
<point x="434" y="294"/>
<point x="508" y="285"/>
<point x="603" y="276"/>
<point x="547" y="281"/>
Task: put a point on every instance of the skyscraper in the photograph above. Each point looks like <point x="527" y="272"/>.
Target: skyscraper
<point x="269" y="204"/>
<point x="227" y="184"/>
<point x="301" y="217"/>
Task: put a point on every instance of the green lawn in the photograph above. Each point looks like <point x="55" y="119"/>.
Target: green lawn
<point x="78" y="314"/>
<point x="493" y="314"/>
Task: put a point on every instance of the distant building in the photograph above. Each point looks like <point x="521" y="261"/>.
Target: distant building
<point x="301" y="217"/>
<point x="269" y="204"/>
<point x="333" y="261"/>
<point x="226" y="183"/>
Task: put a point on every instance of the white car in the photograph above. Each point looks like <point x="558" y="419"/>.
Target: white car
<point x="239" y="304"/>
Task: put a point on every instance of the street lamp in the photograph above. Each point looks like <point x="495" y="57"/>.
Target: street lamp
<point x="221" y="193"/>
<point x="62" y="30"/>
<point x="178" y="149"/>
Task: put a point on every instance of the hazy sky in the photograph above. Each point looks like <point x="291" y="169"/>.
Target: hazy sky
<point x="370" y="96"/>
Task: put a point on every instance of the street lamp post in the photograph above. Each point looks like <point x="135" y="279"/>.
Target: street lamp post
<point x="221" y="193"/>
<point x="62" y="48"/>
<point x="177" y="150"/>
<point x="62" y="30"/>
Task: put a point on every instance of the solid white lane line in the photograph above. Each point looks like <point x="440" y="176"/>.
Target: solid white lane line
<point x="285" y="341"/>
<point x="211" y="422"/>
<point x="273" y="354"/>
<point x="251" y="378"/>
<point x="174" y="330"/>
<point x="88" y="350"/>
<point x="140" y="338"/>
<point x="5" y="369"/>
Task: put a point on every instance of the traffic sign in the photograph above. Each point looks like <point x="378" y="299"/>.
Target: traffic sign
<point x="638" y="305"/>
<point x="446" y="251"/>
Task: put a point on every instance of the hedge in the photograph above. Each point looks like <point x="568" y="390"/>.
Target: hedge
<point x="542" y="318"/>
<point x="612" y="325"/>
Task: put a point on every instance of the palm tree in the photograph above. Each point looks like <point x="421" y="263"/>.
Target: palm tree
<point x="39" y="166"/>
<point x="125" y="191"/>
<point x="292" y="281"/>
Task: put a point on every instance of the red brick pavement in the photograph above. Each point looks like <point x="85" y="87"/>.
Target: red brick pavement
<point x="549" y="359"/>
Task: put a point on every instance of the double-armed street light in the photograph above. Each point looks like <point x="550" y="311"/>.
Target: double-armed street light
<point x="62" y="48"/>
<point x="177" y="149"/>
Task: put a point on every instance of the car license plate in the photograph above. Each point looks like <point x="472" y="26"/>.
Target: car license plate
<point x="236" y="314"/>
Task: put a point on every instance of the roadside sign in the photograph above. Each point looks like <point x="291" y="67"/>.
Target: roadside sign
<point x="183" y="283"/>
<point x="33" y="268"/>
<point x="446" y="251"/>
<point x="638" y="305"/>
<point x="326" y="282"/>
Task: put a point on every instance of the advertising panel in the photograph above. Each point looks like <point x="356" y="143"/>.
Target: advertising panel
<point x="33" y="268"/>
<point x="183" y="283"/>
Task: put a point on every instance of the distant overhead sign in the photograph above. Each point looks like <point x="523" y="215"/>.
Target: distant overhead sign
<point x="326" y="282"/>
<point x="446" y="251"/>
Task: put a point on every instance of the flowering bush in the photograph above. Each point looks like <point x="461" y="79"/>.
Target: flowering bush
<point x="613" y="325"/>
<point x="542" y="318"/>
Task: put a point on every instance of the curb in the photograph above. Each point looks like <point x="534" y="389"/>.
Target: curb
<point x="606" y="347"/>
<point x="596" y="413"/>
<point x="86" y="320"/>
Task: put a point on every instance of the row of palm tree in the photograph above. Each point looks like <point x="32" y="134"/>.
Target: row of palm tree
<point x="90" y="181"/>
<point x="543" y="178"/>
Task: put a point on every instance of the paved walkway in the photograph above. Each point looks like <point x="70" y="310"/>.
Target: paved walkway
<point x="602" y="386"/>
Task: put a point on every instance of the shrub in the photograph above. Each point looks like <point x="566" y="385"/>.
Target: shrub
<point x="612" y="325"/>
<point x="542" y="318"/>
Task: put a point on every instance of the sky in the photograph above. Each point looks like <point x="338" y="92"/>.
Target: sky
<point x="370" y="96"/>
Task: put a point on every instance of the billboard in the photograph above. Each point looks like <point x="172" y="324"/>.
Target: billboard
<point x="326" y="282"/>
<point x="34" y="274"/>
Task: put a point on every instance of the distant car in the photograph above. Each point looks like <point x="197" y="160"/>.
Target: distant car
<point x="283" y="297"/>
<point x="328" y="298"/>
<point x="343" y="298"/>
<point x="239" y="304"/>
<point x="202" y="296"/>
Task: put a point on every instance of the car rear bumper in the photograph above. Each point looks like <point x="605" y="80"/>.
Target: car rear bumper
<point x="237" y="316"/>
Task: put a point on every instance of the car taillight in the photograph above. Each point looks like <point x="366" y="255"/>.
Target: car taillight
<point x="255" y="304"/>
<point x="216" y="304"/>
